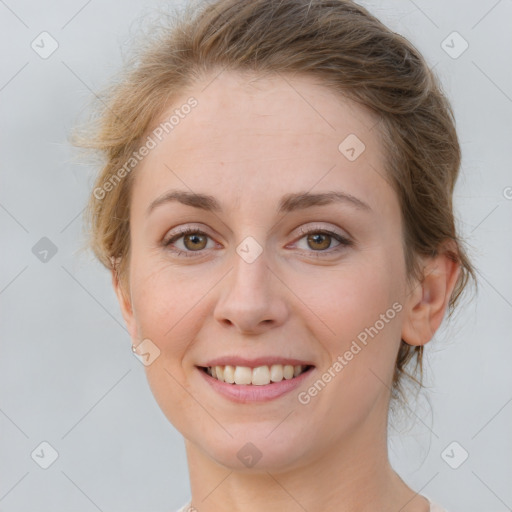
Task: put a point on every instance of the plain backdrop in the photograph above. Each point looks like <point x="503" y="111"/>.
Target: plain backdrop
<point x="68" y="377"/>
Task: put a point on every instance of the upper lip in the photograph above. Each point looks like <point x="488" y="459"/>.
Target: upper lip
<point x="254" y="363"/>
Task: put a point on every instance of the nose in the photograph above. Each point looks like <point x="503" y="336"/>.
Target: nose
<point x="252" y="299"/>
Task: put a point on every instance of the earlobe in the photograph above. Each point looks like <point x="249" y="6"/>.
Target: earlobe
<point x="124" y="303"/>
<point x="427" y="302"/>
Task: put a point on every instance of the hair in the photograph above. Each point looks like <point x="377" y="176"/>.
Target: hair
<point x="349" y="51"/>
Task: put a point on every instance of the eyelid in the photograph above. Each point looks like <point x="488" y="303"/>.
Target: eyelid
<point x="180" y="231"/>
<point x="341" y="236"/>
<point x="317" y="227"/>
<point x="342" y="239"/>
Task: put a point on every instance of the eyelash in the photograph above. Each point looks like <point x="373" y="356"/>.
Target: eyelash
<point x="343" y="241"/>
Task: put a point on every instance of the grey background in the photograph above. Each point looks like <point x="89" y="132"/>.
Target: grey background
<point x="67" y="374"/>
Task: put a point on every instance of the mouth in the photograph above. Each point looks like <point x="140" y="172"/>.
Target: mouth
<point x="258" y="376"/>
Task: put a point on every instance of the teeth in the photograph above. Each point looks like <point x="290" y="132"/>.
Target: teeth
<point x="229" y="374"/>
<point x="243" y="375"/>
<point x="288" y="371"/>
<point x="259" y="376"/>
<point x="276" y="373"/>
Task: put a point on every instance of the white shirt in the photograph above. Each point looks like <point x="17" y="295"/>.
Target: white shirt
<point x="436" y="508"/>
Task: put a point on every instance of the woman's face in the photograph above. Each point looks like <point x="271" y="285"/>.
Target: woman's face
<point x="297" y="257"/>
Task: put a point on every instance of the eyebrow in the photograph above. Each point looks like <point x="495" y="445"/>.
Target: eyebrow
<point x="288" y="203"/>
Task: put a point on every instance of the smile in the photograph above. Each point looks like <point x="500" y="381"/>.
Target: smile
<point x="259" y="376"/>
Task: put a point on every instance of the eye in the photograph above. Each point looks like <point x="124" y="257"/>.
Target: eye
<point x="320" y="240"/>
<point x="194" y="240"/>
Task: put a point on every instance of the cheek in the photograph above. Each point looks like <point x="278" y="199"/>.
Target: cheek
<point x="358" y="319"/>
<point x="168" y="305"/>
<point x="166" y="309"/>
<point x="350" y="298"/>
<point x="360" y="307"/>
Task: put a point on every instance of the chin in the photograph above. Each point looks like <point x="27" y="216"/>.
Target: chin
<point x="255" y="450"/>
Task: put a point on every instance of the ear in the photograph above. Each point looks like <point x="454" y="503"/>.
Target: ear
<point x="124" y="300"/>
<point x="427" y="302"/>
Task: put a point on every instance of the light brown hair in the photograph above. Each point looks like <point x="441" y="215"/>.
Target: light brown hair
<point x="348" y="50"/>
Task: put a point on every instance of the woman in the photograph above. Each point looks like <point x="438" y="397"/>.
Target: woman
<point x="276" y="211"/>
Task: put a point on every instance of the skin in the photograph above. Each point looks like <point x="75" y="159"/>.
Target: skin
<point x="250" y="141"/>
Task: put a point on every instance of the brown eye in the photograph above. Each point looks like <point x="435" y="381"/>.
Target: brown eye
<point x="195" y="241"/>
<point x="188" y="242"/>
<point x="319" y="241"/>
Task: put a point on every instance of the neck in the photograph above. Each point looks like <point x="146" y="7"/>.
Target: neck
<point x="353" y="474"/>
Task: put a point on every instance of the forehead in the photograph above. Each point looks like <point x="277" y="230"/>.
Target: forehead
<point x="247" y="132"/>
<point x="234" y="106"/>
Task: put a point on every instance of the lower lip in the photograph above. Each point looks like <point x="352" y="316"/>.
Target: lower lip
<point x="249" y="393"/>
